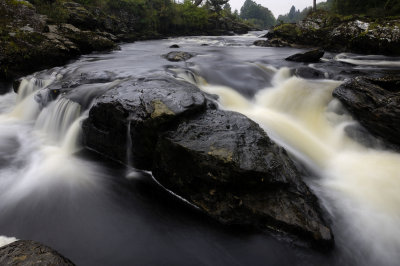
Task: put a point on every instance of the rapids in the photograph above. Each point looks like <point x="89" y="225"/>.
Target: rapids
<point x="96" y="212"/>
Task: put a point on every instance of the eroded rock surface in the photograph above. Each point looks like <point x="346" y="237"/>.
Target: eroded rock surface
<point x="27" y="253"/>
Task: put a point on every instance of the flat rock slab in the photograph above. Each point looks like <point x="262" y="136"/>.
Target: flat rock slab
<point x="28" y="253"/>
<point x="225" y="164"/>
<point x="375" y="103"/>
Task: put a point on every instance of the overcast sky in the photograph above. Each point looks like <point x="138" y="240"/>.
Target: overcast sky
<point x="278" y="7"/>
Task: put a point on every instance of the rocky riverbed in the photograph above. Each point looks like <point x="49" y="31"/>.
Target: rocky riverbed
<point x="240" y="134"/>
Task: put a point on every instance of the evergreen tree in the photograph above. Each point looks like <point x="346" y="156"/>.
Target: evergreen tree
<point x="257" y="14"/>
<point x="227" y="8"/>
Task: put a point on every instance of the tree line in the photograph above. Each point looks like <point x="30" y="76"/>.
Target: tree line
<point x="367" y="7"/>
<point x="162" y="16"/>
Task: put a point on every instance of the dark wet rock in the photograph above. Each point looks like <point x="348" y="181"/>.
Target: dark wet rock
<point x="146" y="105"/>
<point x="15" y="84"/>
<point x="220" y="161"/>
<point x="312" y="56"/>
<point x="25" y="252"/>
<point x="363" y="136"/>
<point x="262" y="43"/>
<point x="275" y="42"/>
<point x="4" y="87"/>
<point x="225" y="164"/>
<point x="375" y="103"/>
<point x="309" y="73"/>
<point x="178" y="56"/>
<point x="174" y="46"/>
<point x="204" y="44"/>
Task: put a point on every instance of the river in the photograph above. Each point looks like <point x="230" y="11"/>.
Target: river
<point x="93" y="212"/>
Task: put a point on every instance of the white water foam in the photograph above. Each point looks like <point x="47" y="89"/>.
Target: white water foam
<point x="367" y="60"/>
<point x="358" y="185"/>
<point x="4" y="240"/>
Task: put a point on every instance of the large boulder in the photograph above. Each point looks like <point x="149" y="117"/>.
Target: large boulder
<point x="141" y="109"/>
<point x="225" y="164"/>
<point x="375" y="103"/>
<point x="25" y="252"/>
<point x="220" y="161"/>
<point x="312" y="56"/>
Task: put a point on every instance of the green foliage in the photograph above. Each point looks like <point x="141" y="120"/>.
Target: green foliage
<point x="227" y="9"/>
<point x="53" y="9"/>
<point x="259" y="15"/>
<point x="188" y="17"/>
<point x="147" y="16"/>
<point x="216" y="5"/>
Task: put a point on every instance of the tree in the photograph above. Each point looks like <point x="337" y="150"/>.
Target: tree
<point x="227" y="8"/>
<point x="292" y="12"/>
<point x="217" y="5"/>
<point x="314" y="5"/>
<point x="256" y="13"/>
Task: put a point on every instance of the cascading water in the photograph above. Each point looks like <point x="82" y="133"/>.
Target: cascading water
<point x="131" y="172"/>
<point x="78" y="205"/>
<point x="358" y="185"/>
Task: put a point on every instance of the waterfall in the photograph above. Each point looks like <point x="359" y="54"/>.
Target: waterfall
<point x="358" y="185"/>
<point x="130" y="170"/>
<point x="27" y="108"/>
<point x="40" y="144"/>
<point x="57" y="117"/>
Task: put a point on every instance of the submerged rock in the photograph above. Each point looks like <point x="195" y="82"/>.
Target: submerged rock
<point x="309" y="73"/>
<point x="262" y="43"/>
<point x="225" y="164"/>
<point x="312" y="56"/>
<point x="375" y="102"/>
<point x="174" y="46"/>
<point x="178" y="56"/>
<point x="146" y="106"/>
<point x="25" y="252"/>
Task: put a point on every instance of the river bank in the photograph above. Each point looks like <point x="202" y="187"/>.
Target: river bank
<point x="30" y="41"/>
<point x="336" y="33"/>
